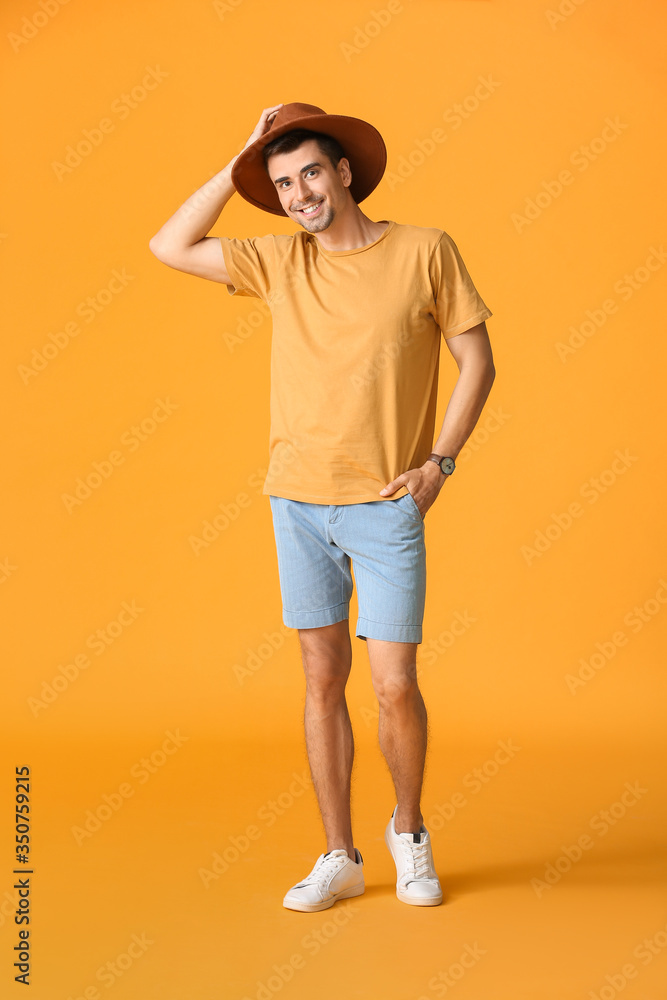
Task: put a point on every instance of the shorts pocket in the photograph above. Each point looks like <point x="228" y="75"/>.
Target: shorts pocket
<point x="409" y="504"/>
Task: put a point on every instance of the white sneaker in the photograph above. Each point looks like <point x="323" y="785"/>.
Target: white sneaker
<point x="417" y="881"/>
<point x="335" y="876"/>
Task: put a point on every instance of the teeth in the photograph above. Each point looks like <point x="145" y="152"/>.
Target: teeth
<point x="309" y="211"/>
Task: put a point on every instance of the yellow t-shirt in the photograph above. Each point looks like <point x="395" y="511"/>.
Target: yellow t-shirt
<point x="354" y="354"/>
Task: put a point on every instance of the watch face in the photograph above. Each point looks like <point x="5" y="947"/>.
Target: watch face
<point x="447" y="466"/>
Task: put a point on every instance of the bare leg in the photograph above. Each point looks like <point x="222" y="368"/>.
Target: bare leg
<point x="327" y="658"/>
<point x="402" y="729"/>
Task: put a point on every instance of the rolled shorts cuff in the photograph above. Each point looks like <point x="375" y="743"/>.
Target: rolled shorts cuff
<point x="315" y="619"/>
<point x="367" y="629"/>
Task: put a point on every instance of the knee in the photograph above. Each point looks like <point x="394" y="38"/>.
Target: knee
<point x="325" y="682"/>
<point x="396" y="689"/>
<point x="326" y="654"/>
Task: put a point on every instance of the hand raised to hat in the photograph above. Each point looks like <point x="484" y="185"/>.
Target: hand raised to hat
<point x="264" y="124"/>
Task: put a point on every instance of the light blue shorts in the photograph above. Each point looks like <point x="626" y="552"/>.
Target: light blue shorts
<point x="384" y="541"/>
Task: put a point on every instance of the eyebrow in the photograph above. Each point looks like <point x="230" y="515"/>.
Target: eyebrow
<point x="303" y="170"/>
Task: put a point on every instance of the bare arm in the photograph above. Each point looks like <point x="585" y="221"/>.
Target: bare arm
<point x="182" y="242"/>
<point x="472" y="353"/>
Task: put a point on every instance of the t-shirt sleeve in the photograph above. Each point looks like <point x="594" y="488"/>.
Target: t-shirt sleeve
<point x="251" y="264"/>
<point x="458" y="305"/>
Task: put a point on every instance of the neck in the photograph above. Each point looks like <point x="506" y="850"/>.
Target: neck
<point x="350" y="230"/>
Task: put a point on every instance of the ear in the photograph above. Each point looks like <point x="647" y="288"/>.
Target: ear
<point x="345" y="171"/>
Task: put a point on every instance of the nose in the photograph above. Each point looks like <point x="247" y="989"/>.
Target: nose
<point x="302" y="194"/>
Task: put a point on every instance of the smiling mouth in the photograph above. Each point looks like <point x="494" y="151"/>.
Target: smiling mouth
<point x="307" y="211"/>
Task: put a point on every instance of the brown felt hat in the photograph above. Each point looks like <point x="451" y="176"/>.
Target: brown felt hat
<point x="364" y="148"/>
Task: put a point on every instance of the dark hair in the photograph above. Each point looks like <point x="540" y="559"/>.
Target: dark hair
<point x="290" y="141"/>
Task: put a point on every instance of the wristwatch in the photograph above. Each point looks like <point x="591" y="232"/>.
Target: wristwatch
<point x="447" y="465"/>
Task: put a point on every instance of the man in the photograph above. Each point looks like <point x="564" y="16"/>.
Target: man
<point x="358" y="310"/>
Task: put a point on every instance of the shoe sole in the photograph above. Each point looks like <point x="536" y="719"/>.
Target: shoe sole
<point x="434" y="901"/>
<point x="355" y="890"/>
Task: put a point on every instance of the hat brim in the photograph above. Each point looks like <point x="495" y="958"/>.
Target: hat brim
<point x="364" y="149"/>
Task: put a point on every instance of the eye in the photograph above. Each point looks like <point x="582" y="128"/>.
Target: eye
<point x="313" y="170"/>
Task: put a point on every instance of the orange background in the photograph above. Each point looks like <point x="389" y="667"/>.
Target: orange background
<point x="192" y="705"/>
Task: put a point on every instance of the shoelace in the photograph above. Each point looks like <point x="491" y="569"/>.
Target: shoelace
<point x="323" y="869"/>
<point x="418" y="865"/>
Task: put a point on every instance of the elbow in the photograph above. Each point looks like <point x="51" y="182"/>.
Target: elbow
<point x="489" y="365"/>
<point x="486" y="377"/>
<point x="154" y="246"/>
<point x="160" y="249"/>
